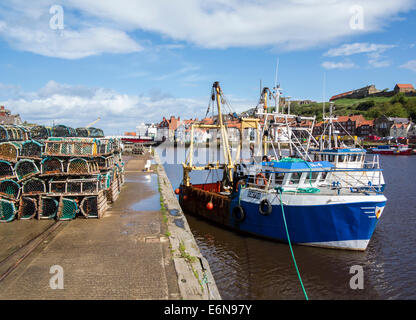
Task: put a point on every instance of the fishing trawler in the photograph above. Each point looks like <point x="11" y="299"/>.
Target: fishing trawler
<point x="281" y="197"/>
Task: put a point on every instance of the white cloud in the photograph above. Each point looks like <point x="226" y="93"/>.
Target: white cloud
<point x="357" y="48"/>
<point x="338" y="65"/>
<point x="93" y="27"/>
<point x="76" y="106"/>
<point x="373" y="51"/>
<point x="376" y="60"/>
<point x="221" y="24"/>
<point x="69" y="44"/>
<point x="411" y="65"/>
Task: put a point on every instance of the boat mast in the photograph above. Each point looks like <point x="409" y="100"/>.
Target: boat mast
<point x="224" y="135"/>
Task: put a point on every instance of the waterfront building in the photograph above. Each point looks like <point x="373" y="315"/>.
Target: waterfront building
<point x="383" y="124"/>
<point x="398" y="130"/>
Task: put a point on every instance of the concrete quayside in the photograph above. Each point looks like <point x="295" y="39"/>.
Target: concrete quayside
<point x="142" y="248"/>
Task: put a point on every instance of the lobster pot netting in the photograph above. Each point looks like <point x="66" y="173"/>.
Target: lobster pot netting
<point x="57" y="186"/>
<point x="52" y="165"/>
<point x="89" y="207"/>
<point x="102" y="163"/>
<point x="28" y="208"/>
<point x="25" y="168"/>
<point x="39" y="133"/>
<point x="82" y="132"/>
<point x="24" y="134"/>
<point x="70" y="148"/>
<point x="34" y="186"/>
<point x="95" y="133"/>
<point x="78" y="166"/>
<point x="3" y="134"/>
<point x="84" y="186"/>
<point x="74" y="186"/>
<point x="13" y="134"/>
<point x="82" y="166"/>
<point x="31" y="149"/>
<point x="106" y="180"/>
<point x="7" y="210"/>
<point x="63" y="131"/>
<point x="6" y="170"/>
<point x="91" y="186"/>
<point x="9" y="151"/>
<point x="69" y="209"/>
<point x="49" y="208"/>
<point x="10" y="189"/>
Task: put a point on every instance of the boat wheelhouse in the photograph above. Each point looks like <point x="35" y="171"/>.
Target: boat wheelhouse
<point x="352" y="158"/>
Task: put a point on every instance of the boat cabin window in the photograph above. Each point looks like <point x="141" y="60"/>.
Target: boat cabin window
<point x="341" y="158"/>
<point x="295" y="178"/>
<point x="278" y="177"/>
<point x="324" y="175"/>
<point x="353" y="157"/>
<point x="331" y="158"/>
<point x="312" y="176"/>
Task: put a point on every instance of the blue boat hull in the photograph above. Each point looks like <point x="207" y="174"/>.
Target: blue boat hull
<point x="346" y="226"/>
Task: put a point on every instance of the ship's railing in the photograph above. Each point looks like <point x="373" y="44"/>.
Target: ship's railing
<point x="374" y="164"/>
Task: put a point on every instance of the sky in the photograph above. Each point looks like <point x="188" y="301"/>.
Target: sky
<point x="134" y="61"/>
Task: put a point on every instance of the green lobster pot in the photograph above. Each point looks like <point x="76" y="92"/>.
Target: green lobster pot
<point x="69" y="209"/>
<point x="7" y="211"/>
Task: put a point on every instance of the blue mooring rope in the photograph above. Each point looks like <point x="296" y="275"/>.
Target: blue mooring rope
<point x="290" y="245"/>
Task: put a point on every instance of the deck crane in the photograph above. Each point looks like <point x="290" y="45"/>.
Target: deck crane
<point x="92" y="123"/>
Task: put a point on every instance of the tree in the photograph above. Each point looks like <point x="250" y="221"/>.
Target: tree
<point x="396" y="110"/>
<point x="364" y="106"/>
<point x="399" y="98"/>
<point x="374" y="112"/>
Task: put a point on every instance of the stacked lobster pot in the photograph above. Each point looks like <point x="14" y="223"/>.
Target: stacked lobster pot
<point x="12" y="139"/>
<point x="60" y="176"/>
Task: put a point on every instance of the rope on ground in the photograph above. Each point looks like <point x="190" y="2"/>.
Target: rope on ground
<point x="290" y="245"/>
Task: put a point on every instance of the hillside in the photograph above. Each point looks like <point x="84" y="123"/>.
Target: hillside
<point x="371" y="107"/>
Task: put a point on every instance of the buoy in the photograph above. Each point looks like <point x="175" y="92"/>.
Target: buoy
<point x="177" y="191"/>
<point x="210" y="206"/>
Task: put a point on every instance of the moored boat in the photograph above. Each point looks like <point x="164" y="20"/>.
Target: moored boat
<point x="395" y="149"/>
<point x="292" y="196"/>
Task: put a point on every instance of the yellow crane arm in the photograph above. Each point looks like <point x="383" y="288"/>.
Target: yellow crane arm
<point x="92" y="123"/>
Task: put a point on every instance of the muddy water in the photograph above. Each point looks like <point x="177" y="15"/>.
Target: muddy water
<point x="246" y="267"/>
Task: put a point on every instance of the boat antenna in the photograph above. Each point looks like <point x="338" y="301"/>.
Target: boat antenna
<point x="323" y="96"/>
<point x="276" y="96"/>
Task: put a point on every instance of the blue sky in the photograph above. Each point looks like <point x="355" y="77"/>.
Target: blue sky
<point x="134" y="61"/>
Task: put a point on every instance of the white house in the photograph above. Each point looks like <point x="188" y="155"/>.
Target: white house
<point x="141" y="130"/>
<point x="152" y="131"/>
<point x="401" y="129"/>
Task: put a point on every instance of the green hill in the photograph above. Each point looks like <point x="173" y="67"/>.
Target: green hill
<point x="371" y="107"/>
